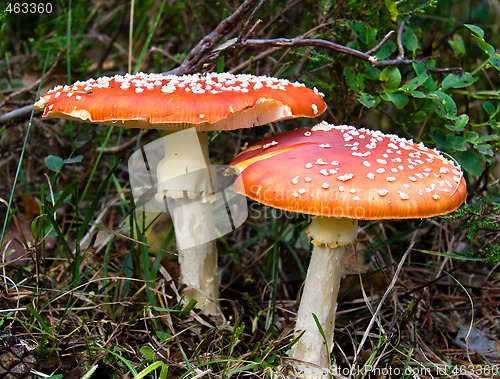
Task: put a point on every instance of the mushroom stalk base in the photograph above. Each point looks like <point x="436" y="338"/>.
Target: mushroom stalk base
<point x="198" y="264"/>
<point x="319" y="297"/>
<point x="184" y="181"/>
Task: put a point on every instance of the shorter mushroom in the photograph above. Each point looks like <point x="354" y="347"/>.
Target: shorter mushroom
<point x="341" y="174"/>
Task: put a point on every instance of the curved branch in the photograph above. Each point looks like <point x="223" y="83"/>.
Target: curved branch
<point x="197" y="56"/>
<point x="309" y="42"/>
<point x="209" y="48"/>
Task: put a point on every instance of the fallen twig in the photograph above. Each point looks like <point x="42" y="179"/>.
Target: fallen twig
<point x="20" y="113"/>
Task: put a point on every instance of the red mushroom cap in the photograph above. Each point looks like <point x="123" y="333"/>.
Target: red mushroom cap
<point x="207" y="102"/>
<point x="342" y="171"/>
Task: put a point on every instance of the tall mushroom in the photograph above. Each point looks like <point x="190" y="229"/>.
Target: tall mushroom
<point x="341" y="174"/>
<point x="168" y="102"/>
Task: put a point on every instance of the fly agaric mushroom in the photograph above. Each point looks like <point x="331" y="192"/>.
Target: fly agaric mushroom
<point x="172" y="103"/>
<point x="341" y="174"/>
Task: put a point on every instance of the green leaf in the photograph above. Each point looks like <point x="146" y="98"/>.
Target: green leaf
<point x="457" y="143"/>
<point x="478" y="33"/>
<point x="148" y="353"/>
<point x="398" y="98"/>
<point x="489" y="108"/>
<point x="368" y="100"/>
<point x="439" y="136"/>
<point x="488" y="138"/>
<point x="470" y="161"/>
<point x="370" y="72"/>
<point x="471" y="137"/>
<point x="445" y="105"/>
<point x="90" y="372"/>
<point x="418" y="94"/>
<point x="453" y="128"/>
<point x="40" y="319"/>
<point x="415" y="82"/>
<point x="364" y="32"/>
<point x="461" y="121"/>
<point x="486" y="47"/>
<point x="163" y="335"/>
<point x="419" y="117"/>
<point x="458" y="80"/>
<point x="485" y="149"/>
<point x="454" y="255"/>
<point x="53" y="162"/>
<point x="392" y="77"/>
<point x="82" y="138"/>
<point x="76" y="159"/>
<point x="409" y="39"/>
<point x="457" y="45"/>
<point x="350" y="79"/>
<point x="430" y="85"/>
<point x="419" y="68"/>
<point x="476" y="30"/>
<point x="386" y="50"/>
<point x="392" y="8"/>
<point x="495" y="61"/>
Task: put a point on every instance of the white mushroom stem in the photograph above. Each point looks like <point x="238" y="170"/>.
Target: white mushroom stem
<point x="331" y="237"/>
<point x="184" y="181"/>
<point x="198" y="264"/>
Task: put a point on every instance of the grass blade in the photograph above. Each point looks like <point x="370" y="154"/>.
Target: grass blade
<point x="89" y="373"/>
<point x="152" y="367"/>
<point x="23" y="150"/>
<point x="101" y="152"/>
<point x="93" y="206"/>
<point x="150" y="36"/>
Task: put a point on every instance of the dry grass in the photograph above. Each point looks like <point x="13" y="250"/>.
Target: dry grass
<point x="430" y="303"/>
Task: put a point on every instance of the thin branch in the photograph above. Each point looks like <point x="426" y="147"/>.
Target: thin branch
<point x="23" y="112"/>
<point x="113" y="39"/>
<point x="247" y="23"/>
<point x="126" y="145"/>
<point x="278" y="43"/>
<point x="399" y="42"/>
<point x="296" y="42"/>
<point x="273" y="20"/>
<point x="271" y="50"/>
<point x="196" y="58"/>
<point x="255" y="58"/>
<point x="208" y="50"/>
<point x="396" y="62"/>
<point x="155" y="49"/>
<point x="252" y="30"/>
<point x="381" y="43"/>
<point x="49" y="72"/>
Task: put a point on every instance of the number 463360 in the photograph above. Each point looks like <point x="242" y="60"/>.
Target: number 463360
<point x="29" y="8"/>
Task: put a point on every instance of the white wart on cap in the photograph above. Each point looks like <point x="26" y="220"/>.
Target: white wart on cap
<point x="341" y="171"/>
<point x="206" y="102"/>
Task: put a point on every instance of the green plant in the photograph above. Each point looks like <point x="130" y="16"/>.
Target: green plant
<point x="424" y="92"/>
